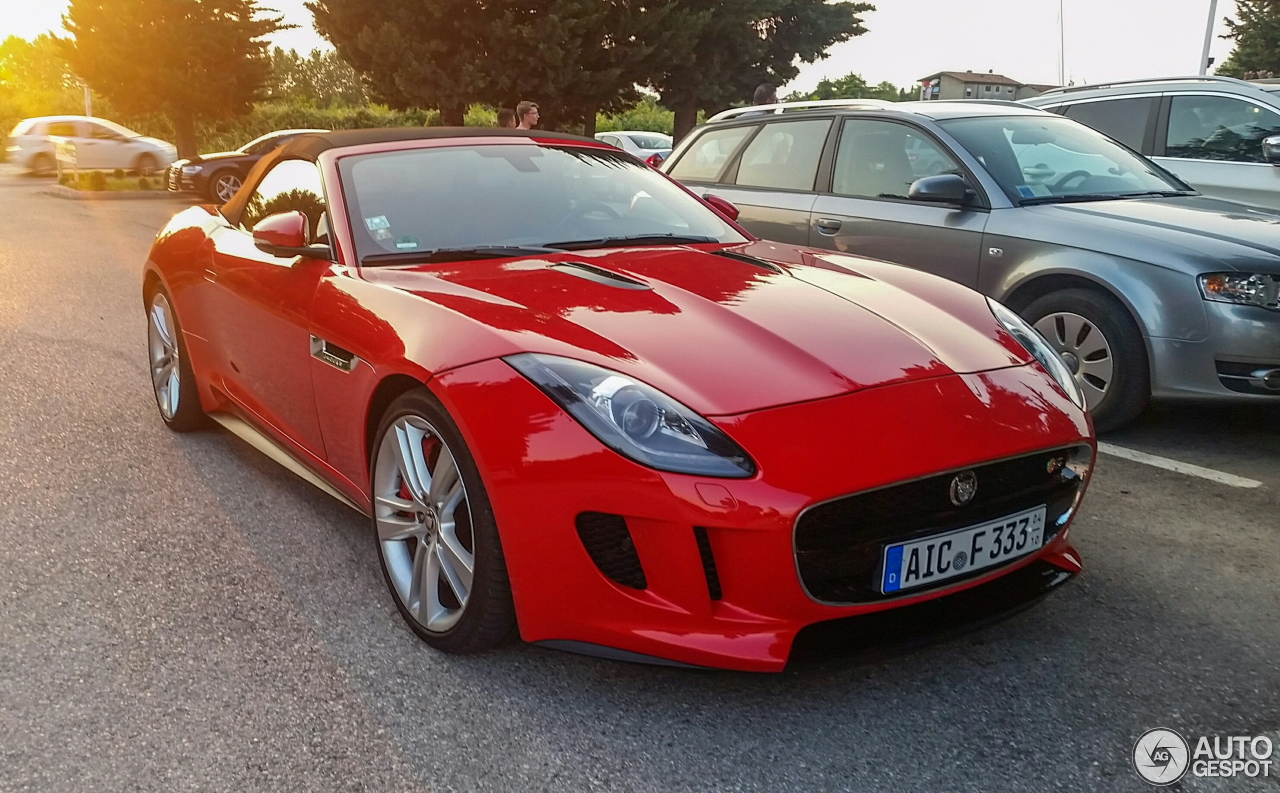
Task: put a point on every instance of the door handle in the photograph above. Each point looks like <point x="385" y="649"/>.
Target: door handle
<point x="827" y="225"/>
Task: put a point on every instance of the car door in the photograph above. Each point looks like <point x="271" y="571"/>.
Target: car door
<point x="74" y="132"/>
<point x="260" y="308"/>
<point x="773" y="181"/>
<point x="109" y="149"/>
<point x="1213" y="142"/>
<point x="866" y="210"/>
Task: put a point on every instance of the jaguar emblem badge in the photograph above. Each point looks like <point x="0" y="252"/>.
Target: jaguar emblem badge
<point x="964" y="487"/>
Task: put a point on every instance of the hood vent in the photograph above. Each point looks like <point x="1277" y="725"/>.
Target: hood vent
<point x="599" y="275"/>
<point x="752" y="260"/>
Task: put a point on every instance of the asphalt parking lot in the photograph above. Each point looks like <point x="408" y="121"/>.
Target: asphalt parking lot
<point x="179" y="613"/>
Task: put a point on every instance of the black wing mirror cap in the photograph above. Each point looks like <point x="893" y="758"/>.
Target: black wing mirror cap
<point x="1271" y="149"/>
<point x="948" y="188"/>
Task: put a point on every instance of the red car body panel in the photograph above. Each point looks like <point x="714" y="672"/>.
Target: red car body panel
<point x="835" y="374"/>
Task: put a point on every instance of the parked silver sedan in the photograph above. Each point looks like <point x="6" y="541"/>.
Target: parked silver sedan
<point x="1146" y="288"/>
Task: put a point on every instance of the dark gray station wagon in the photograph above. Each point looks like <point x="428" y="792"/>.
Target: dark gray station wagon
<point x="1146" y="288"/>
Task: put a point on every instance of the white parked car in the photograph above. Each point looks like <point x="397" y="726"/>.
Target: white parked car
<point x="652" y="147"/>
<point x="100" y="144"/>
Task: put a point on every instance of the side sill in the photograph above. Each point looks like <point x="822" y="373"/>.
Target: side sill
<point x="255" y="438"/>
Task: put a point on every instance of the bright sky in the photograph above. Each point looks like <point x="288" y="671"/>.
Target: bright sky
<point x="909" y="39"/>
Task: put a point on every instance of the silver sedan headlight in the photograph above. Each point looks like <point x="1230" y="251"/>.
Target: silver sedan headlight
<point x="1246" y="289"/>
<point x="1035" y="344"/>
<point x="634" y="419"/>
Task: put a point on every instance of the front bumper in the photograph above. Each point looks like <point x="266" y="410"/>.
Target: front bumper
<point x="1241" y="339"/>
<point x="543" y="471"/>
<point x="178" y="182"/>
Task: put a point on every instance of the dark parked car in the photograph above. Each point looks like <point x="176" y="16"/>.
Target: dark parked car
<point x="1146" y="288"/>
<point x="218" y="176"/>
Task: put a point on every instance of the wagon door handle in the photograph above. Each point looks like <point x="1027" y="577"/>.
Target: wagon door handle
<point x="827" y="225"/>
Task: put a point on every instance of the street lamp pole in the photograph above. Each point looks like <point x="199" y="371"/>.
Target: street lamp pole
<point x="1208" y="37"/>
<point x="1062" y="44"/>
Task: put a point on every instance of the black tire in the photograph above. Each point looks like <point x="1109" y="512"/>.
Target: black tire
<point x="211" y="189"/>
<point x="43" y="165"/>
<point x="189" y="416"/>
<point x="1129" y="390"/>
<point x="146" y="164"/>
<point x="488" y="615"/>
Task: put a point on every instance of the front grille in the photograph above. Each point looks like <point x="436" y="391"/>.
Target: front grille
<point x="839" y="544"/>
<point x="1250" y="378"/>
<point x="608" y="543"/>
<point x="175" y="175"/>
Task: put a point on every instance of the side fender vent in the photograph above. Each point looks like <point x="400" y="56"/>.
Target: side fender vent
<point x="599" y="275"/>
<point x="608" y="543"/>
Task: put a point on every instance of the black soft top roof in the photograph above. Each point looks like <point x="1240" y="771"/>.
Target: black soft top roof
<point x="309" y="146"/>
<point x="312" y="144"/>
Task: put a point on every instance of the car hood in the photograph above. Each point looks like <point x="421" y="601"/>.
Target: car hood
<point x="724" y="334"/>
<point x="217" y="155"/>
<point x="1211" y="232"/>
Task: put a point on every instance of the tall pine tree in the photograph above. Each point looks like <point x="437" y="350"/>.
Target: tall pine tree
<point x="1257" y="37"/>
<point x="190" y="59"/>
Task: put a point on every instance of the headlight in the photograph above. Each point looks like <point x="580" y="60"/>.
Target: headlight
<point x="635" y="420"/>
<point x="1035" y="344"/>
<point x="187" y="170"/>
<point x="1242" y="288"/>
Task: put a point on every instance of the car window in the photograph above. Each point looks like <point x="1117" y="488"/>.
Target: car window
<point x="519" y="194"/>
<point x="651" y="142"/>
<point x="1040" y="159"/>
<point x="64" y="129"/>
<point x="1218" y="128"/>
<point x="611" y="140"/>
<point x="880" y="159"/>
<point x="99" y="132"/>
<point x="264" y="144"/>
<point x="705" y="159"/>
<point x="1123" y="119"/>
<point x="289" y="185"/>
<point x="784" y="155"/>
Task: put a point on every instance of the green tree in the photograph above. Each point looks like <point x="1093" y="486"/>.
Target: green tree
<point x="1257" y="38"/>
<point x="321" y="79"/>
<point x="739" y="45"/>
<point x="851" y="86"/>
<point x="189" y="59"/>
<point x="35" y="81"/>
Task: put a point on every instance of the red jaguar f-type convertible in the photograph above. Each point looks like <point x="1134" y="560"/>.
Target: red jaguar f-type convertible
<point x="577" y="401"/>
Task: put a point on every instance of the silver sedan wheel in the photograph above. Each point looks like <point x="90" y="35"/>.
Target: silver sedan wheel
<point x="1084" y="349"/>
<point x="424" y="523"/>
<point x="226" y="186"/>
<point x="162" y="343"/>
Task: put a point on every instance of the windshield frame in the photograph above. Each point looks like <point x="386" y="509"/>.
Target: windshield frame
<point x="333" y="172"/>
<point x="1173" y="185"/>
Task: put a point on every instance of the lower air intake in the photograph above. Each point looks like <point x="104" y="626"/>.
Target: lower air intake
<point x="608" y="543"/>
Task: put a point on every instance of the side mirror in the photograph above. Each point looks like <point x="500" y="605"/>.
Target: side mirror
<point x="723" y="206"/>
<point x="1271" y="149"/>
<point x="287" y="234"/>
<point x="949" y="188"/>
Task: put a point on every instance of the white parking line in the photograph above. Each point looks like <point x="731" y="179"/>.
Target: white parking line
<point x="1179" y="467"/>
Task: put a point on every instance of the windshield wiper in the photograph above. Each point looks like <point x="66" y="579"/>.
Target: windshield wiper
<point x="1070" y="199"/>
<point x="637" y="239"/>
<point x="470" y="253"/>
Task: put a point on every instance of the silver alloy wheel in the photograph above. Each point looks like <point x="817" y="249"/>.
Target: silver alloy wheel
<point x="1084" y="349"/>
<point x="162" y="343"/>
<point x="226" y="186"/>
<point x="424" y="523"/>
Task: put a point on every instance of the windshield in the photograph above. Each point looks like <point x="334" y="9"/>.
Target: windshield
<point x="1039" y="159"/>
<point x="267" y="141"/>
<point x="651" y="142"/>
<point x="521" y="195"/>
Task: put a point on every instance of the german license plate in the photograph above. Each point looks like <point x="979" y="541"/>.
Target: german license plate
<point x="923" y="562"/>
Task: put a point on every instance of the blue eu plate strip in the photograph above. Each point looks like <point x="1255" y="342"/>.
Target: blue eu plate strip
<point x="893" y="569"/>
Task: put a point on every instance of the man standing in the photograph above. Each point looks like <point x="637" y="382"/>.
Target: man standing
<point x="507" y="118"/>
<point x="765" y="94"/>
<point x="527" y="113"/>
